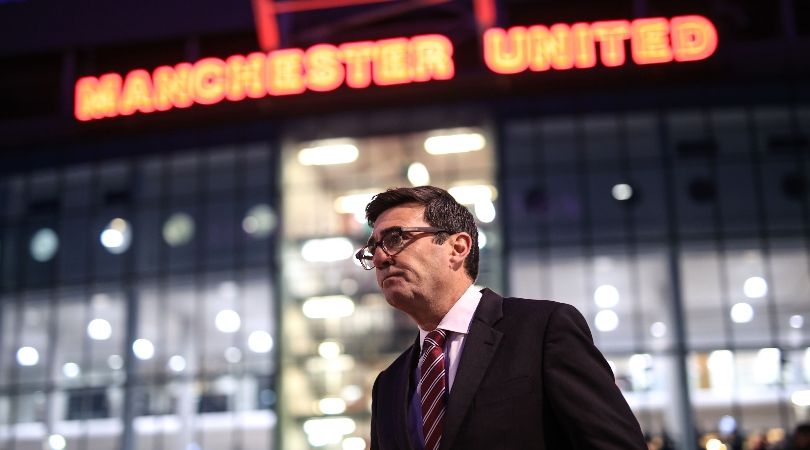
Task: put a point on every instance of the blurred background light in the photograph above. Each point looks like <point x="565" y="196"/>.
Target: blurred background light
<point x="260" y="221"/>
<point x="622" y="192"/>
<point x="260" y="341"/>
<point x="742" y="312"/>
<point x="606" y="296"/>
<point x="177" y="363"/>
<point x="143" y="349"/>
<point x="332" y="306"/>
<point x="328" y="152"/>
<point x="99" y="329"/>
<point x="71" y="370"/>
<point x="44" y="244"/>
<point x="228" y="321"/>
<point x="327" y="249"/>
<point x="755" y="287"/>
<point x="418" y="174"/>
<point x="27" y="356"/>
<point x="178" y="229"/>
<point x="116" y="236"/>
<point x="454" y="142"/>
<point x="606" y="320"/>
<point x="470" y="194"/>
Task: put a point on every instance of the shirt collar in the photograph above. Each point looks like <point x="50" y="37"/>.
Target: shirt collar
<point x="458" y="319"/>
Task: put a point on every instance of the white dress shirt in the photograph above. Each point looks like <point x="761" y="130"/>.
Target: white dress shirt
<point x="457" y="323"/>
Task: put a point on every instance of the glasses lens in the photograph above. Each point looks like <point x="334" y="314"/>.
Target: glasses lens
<point x="365" y="257"/>
<point x="392" y="242"/>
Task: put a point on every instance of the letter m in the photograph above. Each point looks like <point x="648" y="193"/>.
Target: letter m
<point x="97" y="98"/>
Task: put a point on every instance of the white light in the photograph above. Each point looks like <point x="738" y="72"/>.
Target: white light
<point x="260" y="342"/>
<point x="796" y="321"/>
<point x="801" y="398"/>
<point x="640" y="362"/>
<point x="485" y="211"/>
<point x="115" y="362"/>
<point x="755" y="287"/>
<point x="742" y="313"/>
<point x="727" y="425"/>
<point x="714" y="444"/>
<point x="327" y="153"/>
<point x="482" y="239"/>
<point x="454" y="143"/>
<point x="57" y="442"/>
<point x="117" y="236"/>
<point x="330" y="426"/>
<point x="71" y="370"/>
<point x="329" y="349"/>
<point x="473" y="193"/>
<point x="233" y="355"/>
<point x="354" y="204"/>
<point x="721" y="370"/>
<point x="44" y="244"/>
<point x="606" y="320"/>
<point x="27" y="356"/>
<point x="351" y="393"/>
<point x="259" y="221"/>
<point x="177" y="363"/>
<point x="143" y="349"/>
<point x="354" y="443"/>
<point x="99" y="329"/>
<point x="327" y="250"/>
<point x="639" y="366"/>
<point x="178" y="229"/>
<point x="228" y="321"/>
<point x="332" y="306"/>
<point x="332" y="405"/>
<point x="658" y="329"/>
<point x="622" y="192"/>
<point x="418" y="174"/>
<point x="606" y="296"/>
<point x="767" y="366"/>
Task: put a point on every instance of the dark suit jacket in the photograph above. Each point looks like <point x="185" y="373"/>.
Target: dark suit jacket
<point x="529" y="377"/>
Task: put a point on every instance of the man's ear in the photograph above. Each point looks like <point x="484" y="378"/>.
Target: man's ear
<point x="460" y="246"/>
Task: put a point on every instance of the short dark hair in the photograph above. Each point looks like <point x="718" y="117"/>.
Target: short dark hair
<point x="441" y="211"/>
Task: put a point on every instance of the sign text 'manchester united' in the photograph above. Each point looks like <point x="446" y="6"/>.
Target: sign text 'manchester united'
<point x="417" y="59"/>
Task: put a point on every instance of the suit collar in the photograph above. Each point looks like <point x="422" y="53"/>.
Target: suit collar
<point x="479" y="348"/>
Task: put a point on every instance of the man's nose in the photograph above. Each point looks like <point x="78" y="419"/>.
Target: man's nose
<point x="380" y="258"/>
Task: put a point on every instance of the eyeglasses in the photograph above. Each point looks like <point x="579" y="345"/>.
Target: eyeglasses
<point x="392" y="242"/>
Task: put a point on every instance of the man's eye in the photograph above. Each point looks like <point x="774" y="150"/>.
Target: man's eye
<point x="393" y="240"/>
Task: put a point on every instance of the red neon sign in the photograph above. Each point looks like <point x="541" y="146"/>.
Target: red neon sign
<point x="358" y="65"/>
<point x="320" y="68"/>
<point x="561" y="46"/>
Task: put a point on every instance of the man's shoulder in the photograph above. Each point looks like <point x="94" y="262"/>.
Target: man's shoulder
<point x="398" y="364"/>
<point x="520" y="304"/>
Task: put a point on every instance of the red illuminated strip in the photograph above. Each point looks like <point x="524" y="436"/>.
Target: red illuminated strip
<point x="561" y="46"/>
<point x="320" y="68"/>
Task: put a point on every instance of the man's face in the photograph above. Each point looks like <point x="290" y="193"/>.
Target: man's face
<point x="408" y="278"/>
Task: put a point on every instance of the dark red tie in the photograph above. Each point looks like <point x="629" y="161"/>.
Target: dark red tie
<point x="432" y="387"/>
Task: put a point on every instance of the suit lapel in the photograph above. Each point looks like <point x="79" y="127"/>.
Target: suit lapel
<point x="479" y="348"/>
<point x="403" y="397"/>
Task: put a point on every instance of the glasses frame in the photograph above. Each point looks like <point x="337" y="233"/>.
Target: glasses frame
<point x="372" y="246"/>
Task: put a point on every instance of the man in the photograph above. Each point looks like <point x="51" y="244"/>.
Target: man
<point x="487" y="372"/>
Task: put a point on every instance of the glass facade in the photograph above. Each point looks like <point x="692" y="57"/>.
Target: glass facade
<point x="138" y="303"/>
<point x="208" y="299"/>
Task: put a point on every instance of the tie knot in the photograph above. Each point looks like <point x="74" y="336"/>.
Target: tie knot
<point x="434" y="339"/>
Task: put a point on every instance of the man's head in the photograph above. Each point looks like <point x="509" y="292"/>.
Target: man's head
<point x="441" y="210"/>
<point x="424" y="247"/>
